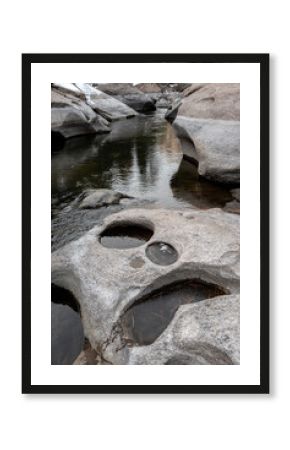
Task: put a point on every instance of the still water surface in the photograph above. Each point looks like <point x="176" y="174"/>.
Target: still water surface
<point x="140" y="157"/>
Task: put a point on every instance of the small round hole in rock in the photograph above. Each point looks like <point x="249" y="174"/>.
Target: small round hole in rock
<point x="161" y="253"/>
<point x="124" y="236"/>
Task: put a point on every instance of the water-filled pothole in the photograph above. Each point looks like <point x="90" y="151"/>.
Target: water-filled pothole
<point x="146" y="319"/>
<point x="67" y="336"/>
<point x="124" y="236"/>
<point x="161" y="253"/>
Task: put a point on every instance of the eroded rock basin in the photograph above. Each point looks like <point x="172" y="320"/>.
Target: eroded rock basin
<point x="124" y="236"/>
<point x="67" y="335"/>
<point x="133" y="309"/>
<point x="146" y="319"/>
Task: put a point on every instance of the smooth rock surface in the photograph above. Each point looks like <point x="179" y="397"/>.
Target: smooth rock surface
<point x="216" y="147"/>
<point x="105" y="105"/>
<point x="219" y="101"/>
<point x="149" y="88"/>
<point x="106" y="283"/>
<point x="207" y="332"/>
<point x="72" y="116"/>
<point x="209" y="116"/>
<point x="100" y="197"/>
<point x="130" y="95"/>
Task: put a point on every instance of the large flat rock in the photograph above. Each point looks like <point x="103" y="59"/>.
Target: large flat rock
<point x="108" y="281"/>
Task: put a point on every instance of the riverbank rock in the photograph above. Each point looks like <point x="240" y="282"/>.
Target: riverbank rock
<point x="154" y="92"/>
<point x="149" y="88"/>
<point x="205" y="332"/>
<point x="173" y="87"/>
<point x="109" y="282"/>
<point x="108" y="107"/>
<point x="100" y="197"/>
<point x="164" y="94"/>
<point x="72" y="116"/>
<point x="172" y="111"/>
<point x="128" y="94"/>
<point x="209" y="117"/>
<point x="234" y="205"/>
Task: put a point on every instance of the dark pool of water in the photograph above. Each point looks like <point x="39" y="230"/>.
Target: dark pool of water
<point x="161" y="253"/>
<point x="67" y="336"/>
<point x="125" y="236"/>
<point x="140" y="157"/>
<point x="145" y="320"/>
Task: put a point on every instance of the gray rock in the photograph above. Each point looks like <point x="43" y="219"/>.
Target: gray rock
<point x="71" y="116"/>
<point x="108" y="107"/>
<point x="163" y="94"/>
<point x="106" y="282"/>
<point x="206" y="332"/>
<point x="149" y="88"/>
<point x="100" y="197"/>
<point x="234" y="205"/>
<point x="216" y="146"/>
<point x="236" y="193"/>
<point x="166" y="100"/>
<point x="173" y="87"/>
<point x="209" y="116"/>
<point x="172" y="111"/>
<point x="219" y="101"/>
<point x="130" y="95"/>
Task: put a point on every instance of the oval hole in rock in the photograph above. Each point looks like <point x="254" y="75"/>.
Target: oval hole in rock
<point x="67" y="335"/>
<point x="125" y="235"/>
<point x="147" y="318"/>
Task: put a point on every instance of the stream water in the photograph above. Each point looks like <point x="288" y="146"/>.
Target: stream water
<point x="140" y="157"/>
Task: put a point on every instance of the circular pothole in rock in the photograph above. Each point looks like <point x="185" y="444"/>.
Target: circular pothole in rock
<point x="161" y="253"/>
<point x="124" y="236"/>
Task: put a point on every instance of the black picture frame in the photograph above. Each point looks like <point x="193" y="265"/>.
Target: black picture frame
<point x="263" y="61"/>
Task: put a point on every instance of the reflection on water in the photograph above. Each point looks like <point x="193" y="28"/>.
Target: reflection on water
<point x="139" y="157"/>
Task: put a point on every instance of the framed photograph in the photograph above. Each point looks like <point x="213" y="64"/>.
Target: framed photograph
<point x="145" y="223"/>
